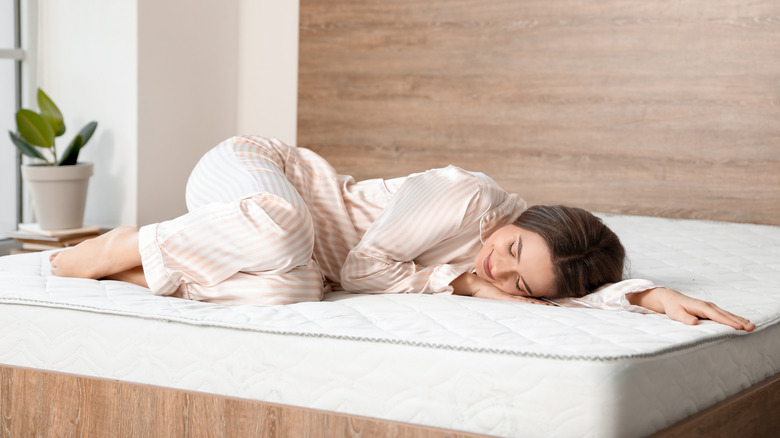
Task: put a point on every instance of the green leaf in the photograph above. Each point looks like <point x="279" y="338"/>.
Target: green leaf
<point x="71" y="155"/>
<point x="51" y="113"/>
<point x="87" y="131"/>
<point x="34" y="128"/>
<point x="24" y="147"/>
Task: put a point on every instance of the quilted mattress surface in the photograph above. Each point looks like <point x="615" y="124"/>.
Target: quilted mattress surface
<point x="508" y="369"/>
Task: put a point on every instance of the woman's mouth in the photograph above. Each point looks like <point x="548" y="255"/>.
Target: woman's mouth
<point x="486" y="266"/>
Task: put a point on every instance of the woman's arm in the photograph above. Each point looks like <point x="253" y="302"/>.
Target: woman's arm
<point x="686" y="309"/>
<point x="471" y="285"/>
<point x="644" y="296"/>
<point x="427" y="209"/>
<point x="438" y="212"/>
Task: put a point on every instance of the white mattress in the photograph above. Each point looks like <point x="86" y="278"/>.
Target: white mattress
<point x="454" y="362"/>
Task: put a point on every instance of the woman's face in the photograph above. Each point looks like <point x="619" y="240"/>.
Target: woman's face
<point x="517" y="261"/>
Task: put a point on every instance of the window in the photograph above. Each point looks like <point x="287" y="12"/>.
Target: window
<point x="11" y="57"/>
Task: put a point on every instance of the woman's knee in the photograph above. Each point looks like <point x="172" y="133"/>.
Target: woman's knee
<point x="293" y="234"/>
<point x="257" y="152"/>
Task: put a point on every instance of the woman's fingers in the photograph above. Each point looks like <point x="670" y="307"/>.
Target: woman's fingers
<point x="679" y="313"/>
<point x="715" y="313"/>
<point x="690" y="312"/>
<point x="497" y="294"/>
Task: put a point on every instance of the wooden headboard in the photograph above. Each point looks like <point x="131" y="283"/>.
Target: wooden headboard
<point x="655" y="108"/>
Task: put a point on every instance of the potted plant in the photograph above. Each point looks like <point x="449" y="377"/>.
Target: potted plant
<point x="58" y="182"/>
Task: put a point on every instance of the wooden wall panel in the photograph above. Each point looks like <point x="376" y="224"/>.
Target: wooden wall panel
<point x="660" y="108"/>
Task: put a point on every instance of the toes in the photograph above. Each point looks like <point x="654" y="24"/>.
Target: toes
<point x="54" y="260"/>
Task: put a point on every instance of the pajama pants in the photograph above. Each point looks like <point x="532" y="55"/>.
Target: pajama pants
<point x="247" y="239"/>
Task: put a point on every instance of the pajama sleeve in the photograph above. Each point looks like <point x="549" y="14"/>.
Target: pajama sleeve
<point x="429" y="208"/>
<point x="612" y="296"/>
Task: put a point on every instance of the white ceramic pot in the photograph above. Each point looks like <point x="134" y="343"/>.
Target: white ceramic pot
<point x="59" y="194"/>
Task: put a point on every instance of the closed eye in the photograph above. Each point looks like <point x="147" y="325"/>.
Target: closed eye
<point x="527" y="290"/>
<point x="519" y="243"/>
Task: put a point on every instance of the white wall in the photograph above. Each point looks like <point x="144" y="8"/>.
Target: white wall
<point x="166" y="80"/>
<point x="88" y="66"/>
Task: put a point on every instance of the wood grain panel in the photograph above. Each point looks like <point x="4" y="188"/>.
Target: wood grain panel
<point x="659" y="108"/>
<point x="46" y="404"/>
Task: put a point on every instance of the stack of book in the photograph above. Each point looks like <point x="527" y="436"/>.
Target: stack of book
<point x="33" y="238"/>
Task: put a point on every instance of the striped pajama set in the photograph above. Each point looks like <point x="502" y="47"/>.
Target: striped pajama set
<point x="270" y="223"/>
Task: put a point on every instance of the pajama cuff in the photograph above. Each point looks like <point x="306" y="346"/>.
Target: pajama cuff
<point x="152" y="260"/>
<point x="440" y="279"/>
<point x="612" y="297"/>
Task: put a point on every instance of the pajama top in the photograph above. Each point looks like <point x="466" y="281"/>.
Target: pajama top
<point x="271" y="223"/>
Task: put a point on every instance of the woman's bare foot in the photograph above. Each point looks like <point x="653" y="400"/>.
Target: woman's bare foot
<point x="107" y="254"/>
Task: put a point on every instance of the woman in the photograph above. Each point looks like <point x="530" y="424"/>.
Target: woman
<point x="270" y="223"/>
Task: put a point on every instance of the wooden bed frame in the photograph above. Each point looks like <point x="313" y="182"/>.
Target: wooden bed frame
<point x="64" y="405"/>
<point x="615" y="106"/>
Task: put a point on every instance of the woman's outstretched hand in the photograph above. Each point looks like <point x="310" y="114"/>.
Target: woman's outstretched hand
<point x="471" y="285"/>
<point x="686" y="309"/>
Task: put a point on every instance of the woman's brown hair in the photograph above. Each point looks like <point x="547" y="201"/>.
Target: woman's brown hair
<point x="586" y="254"/>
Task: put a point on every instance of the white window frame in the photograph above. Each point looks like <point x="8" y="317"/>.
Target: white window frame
<point x="25" y="55"/>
